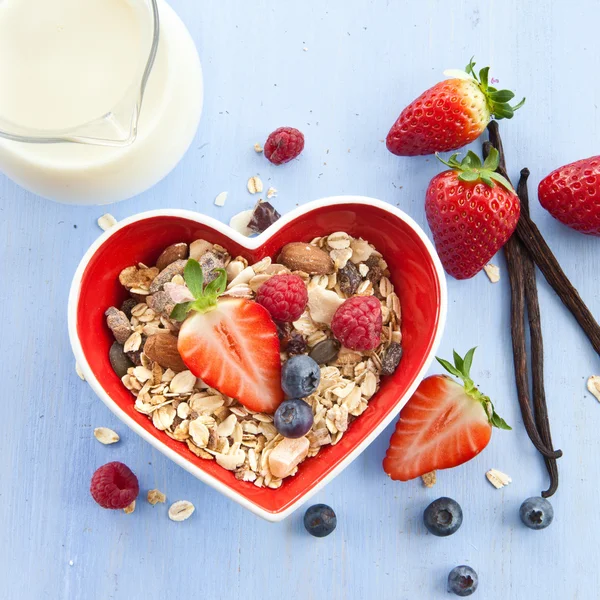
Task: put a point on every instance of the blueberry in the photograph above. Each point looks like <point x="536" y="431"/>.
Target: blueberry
<point x="320" y="520"/>
<point x="293" y="418"/>
<point x="462" y="581"/>
<point x="443" y="517"/>
<point x="300" y="376"/>
<point x="536" y="513"/>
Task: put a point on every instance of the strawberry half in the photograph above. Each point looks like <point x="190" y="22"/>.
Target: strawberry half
<point x="450" y="115"/>
<point x="571" y="194"/>
<point x="472" y="211"/>
<point x="444" y="424"/>
<point x="229" y="343"/>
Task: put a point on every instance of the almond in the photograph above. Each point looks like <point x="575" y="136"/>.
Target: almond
<point x="162" y="348"/>
<point x="299" y="256"/>
<point x="170" y="254"/>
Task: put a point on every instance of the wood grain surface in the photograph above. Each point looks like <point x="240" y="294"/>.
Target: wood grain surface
<point x="341" y="71"/>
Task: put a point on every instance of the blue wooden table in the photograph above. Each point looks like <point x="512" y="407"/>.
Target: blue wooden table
<point x="340" y="71"/>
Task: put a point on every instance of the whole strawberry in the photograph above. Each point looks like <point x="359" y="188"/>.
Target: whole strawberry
<point x="472" y="212"/>
<point x="571" y="194"/>
<point x="450" y="115"/>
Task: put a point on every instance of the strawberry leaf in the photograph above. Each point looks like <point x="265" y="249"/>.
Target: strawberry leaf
<point x="500" y="95"/>
<point x="493" y="160"/>
<point x="468" y="361"/>
<point x="194" y="278"/>
<point x="180" y="311"/>
<point x="449" y="367"/>
<point x="499" y="422"/>
<point x="458" y="361"/>
<point x="218" y="285"/>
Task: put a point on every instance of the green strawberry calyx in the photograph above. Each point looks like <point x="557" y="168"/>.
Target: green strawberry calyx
<point x="497" y="100"/>
<point x="471" y="168"/>
<point x="462" y="369"/>
<point x="205" y="296"/>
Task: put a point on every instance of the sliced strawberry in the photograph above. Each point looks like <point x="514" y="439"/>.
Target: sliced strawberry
<point x="235" y="349"/>
<point x="229" y="343"/>
<point x="444" y="424"/>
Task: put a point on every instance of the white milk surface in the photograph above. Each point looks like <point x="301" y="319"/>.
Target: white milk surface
<point x="66" y="62"/>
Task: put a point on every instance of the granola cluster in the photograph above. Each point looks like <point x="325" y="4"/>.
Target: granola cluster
<point x="214" y="426"/>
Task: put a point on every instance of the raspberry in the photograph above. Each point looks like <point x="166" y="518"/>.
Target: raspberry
<point x="357" y="323"/>
<point x="283" y="145"/>
<point x="284" y="296"/>
<point x="114" y="485"/>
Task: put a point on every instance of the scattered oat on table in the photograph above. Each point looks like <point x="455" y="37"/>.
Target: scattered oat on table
<point x="497" y="478"/>
<point x="493" y="272"/>
<point x="429" y="479"/>
<point x="79" y="372"/>
<point x="240" y="222"/>
<point x="255" y="185"/>
<point x="593" y="385"/>
<point x="106" y="436"/>
<point x="129" y="509"/>
<point x="258" y="148"/>
<point x="271" y="193"/>
<point x="105" y="222"/>
<point x="305" y="49"/>
<point x="156" y="496"/>
<point x="181" y="510"/>
<point x="221" y="199"/>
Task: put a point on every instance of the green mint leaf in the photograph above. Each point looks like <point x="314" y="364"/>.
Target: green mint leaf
<point x="217" y="286"/>
<point x="500" y="96"/>
<point x="468" y="361"/>
<point x="492" y="161"/>
<point x="449" y="367"/>
<point x="179" y="313"/>
<point x="194" y="278"/>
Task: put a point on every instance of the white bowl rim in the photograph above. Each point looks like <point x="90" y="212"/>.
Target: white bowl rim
<point x="251" y="244"/>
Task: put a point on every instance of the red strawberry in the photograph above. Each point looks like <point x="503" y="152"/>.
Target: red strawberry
<point x="571" y="194"/>
<point x="443" y="425"/>
<point x="230" y="343"/>
<point x="450" y="115"/>
<point x="470" y="215"/>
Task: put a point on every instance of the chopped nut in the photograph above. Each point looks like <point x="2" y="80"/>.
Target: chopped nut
<point x="106" y="436"/>
<point x="156" y="496"/>
<point x="286" y="455"/>
<point x="198" y="248"/>
<point x="255" y="185"/>
<point x="429" y="479"/>
<point x="271" y="193"/>
<point x="105" y="222"/>
<point x="221" y="199"/>
<point x="493" y="272"/>
<point x="240" y="222"/>
<point x="497" y="478"/>
<point x="129" y="509"/>
<point x="181" y="510"/>
<point x="170" y="254"/>
<point x="175" y="268"/>
<point x="593" y="385"/>
<point x="258" y="148"/>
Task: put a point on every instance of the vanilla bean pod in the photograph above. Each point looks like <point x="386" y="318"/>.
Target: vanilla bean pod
<point x="547" y="263"/>
<point x="513" y="250"/>
<point x="537" y="344"/>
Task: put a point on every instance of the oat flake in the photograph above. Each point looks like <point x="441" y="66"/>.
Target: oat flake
<point x="106" y="436"/>
<point x="255" y="185"/>
<point x="105" y="222"/>
<point x="497" y="478"/>
<point x="181" y="510"/>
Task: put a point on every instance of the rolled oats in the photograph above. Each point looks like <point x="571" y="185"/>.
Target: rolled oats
<point x="181" y="510"/>
<point x="106" y="436"/>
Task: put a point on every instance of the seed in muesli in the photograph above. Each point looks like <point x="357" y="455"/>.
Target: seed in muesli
<point x="220" y="423"/>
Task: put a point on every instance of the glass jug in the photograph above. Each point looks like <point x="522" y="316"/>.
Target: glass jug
<point x="103" y="96"/>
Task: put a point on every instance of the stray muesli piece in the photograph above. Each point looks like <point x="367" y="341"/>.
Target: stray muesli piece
<point x="79" y="372"/>
<point x="255" y="185"/>
<point x="593" y="385"/>
<point x="106" y="436"/>
<point x="497" y="478"/>
<point x="105" y="222"/>
<point x="429" y="479"/>
<point x="263" y="215"/>
<point x="130" y="508"/>
<point x="155" y="497"/>
<point x="221" y="199"/>
<point x="181" y="510"/>
<point x="240" y="222"/>
<point x="493" y="272"/>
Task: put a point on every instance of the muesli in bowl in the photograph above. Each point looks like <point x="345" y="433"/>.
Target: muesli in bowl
<point x="207" y="344"/>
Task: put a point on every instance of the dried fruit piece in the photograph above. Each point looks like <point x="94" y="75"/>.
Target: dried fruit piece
<point x="119" y="324"/>
<point x="429" y="479"/>
<point x="298" y="256"/>
<point x="295" y="344"/>
<point x="127" y="306"/>
<point x="106" y="436"/>
<point x="105" y="222"/>
<point x="156" y="496"/>
<point x="493" y="272"/>
<point x="255" y="185"/>
<point x="210" y="262"/>
<point x="170" y="254"/>
<point x="164" y="276"/>
<point x="134" y="278"/>
<point x="162" y="348"/>
<point x="349" y="279"/>
<point x="497" y="478"/>
<point x="593" y="385"/>
<point x="391" y="359"/>
<point x="287" y="455"/>
<point x="181" y="510"/>
<point x="263" y="215"/>
<point x="326" y="351"/>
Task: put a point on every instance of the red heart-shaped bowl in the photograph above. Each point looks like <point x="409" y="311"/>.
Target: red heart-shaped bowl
<point x="416" y="273"/>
